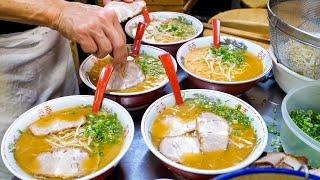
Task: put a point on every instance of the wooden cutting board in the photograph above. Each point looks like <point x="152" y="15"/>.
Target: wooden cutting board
<point x="251" y="24"/>
<point x="255" y="3"/>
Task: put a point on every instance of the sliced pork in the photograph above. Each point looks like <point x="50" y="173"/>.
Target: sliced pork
<point x="175" y="147"/>
<point x="65" y="163"/>
<point x="213" y="132"/>
<point x="178" y="127"/>
<point x="55" y="126"/>
<point x="281" y="160"/>
<point x="123" y="80"/>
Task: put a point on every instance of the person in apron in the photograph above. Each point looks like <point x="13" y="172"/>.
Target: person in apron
<point x="36" y="65"/>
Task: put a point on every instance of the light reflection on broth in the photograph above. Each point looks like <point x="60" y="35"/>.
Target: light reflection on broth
<point x="28" y="146"/>
<point x="195" y="63"/>
<point x="236" y="151"/>
<point x="149" y="82"/>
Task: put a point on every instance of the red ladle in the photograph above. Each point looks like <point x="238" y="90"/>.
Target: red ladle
<point x="101" y="87"/>
<point x="146" y="15"/>
<point x="138" y="38"/>
<point x="216" y="32"/>
<point x="169" y="68"/>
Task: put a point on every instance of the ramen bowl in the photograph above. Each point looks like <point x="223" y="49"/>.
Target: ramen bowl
<point x="231" y="87"/>
<point x="46" y="108"/>
<point x="267" y="173"/>
<point x="130" y="100"/>
<point x="171" y="47"/>
<point x="158" y="106"/>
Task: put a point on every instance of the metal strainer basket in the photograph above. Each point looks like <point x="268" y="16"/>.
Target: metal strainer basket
<point x="295" y="34"/>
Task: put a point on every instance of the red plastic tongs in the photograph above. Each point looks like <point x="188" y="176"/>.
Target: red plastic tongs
<point x="146" y="15"/>
<point x="170" y="71"/>
<point x="101" y="87"/>
<point x="216" y="32"/>
<point x="138" y="38"/>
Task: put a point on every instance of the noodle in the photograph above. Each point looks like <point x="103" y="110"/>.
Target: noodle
<point x="204" y="63"/>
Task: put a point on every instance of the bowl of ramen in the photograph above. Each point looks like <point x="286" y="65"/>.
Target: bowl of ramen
<point x="234" y="67"/>
<point x="143" y="82"/>
<point x="267" y="173"/>
<point x="167" y="30"/>
<point x="62" y="139"/>
<point x="211" y="133"/>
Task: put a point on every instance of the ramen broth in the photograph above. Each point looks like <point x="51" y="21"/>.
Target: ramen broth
<point x="28" y="146"/>
<point x="200" y="63"/>
<point x="151" y="67"/>
<point x="242" y="138"/>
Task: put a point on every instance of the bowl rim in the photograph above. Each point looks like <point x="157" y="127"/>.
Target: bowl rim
<point x="129" y="23"/>
<point x="249" y="171"/>
<point x="85" y="79"/>
<point x="109" y="166"/>
<point x="164" y="159"/>
<point x="264" y="73"/>
<point x="292" y="125"/>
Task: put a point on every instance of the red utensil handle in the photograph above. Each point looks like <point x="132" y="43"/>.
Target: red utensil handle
<point x="216" y="32"/>
<point x="101" y="87"/>
<point x="137" y="39"/>
<point x="169" y="68"/>
<point x="146" y="15"/>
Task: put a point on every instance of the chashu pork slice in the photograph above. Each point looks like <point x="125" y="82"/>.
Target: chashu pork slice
<point x="66" y="163"/>
<point x="55" y="126"/>
<point x="213" y="132"/>
<point x="123" y="80"/>
<point x="175" y="147"/>
<point x="178" y="127"/>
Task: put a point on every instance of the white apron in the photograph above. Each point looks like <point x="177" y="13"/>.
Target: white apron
<point x="35" y="66"/>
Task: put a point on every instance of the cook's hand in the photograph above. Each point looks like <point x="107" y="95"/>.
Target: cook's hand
<point x="95" y="28"/>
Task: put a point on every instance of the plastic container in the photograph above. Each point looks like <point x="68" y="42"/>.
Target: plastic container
<point x="293" y="139"/>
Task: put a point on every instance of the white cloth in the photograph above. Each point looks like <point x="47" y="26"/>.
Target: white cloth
<point x="35" y="66"/>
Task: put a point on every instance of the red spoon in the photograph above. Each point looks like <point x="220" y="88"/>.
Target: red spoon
<point x="101" y="87"/>
<point x="168" y="66"/>
<point x="146" y="15"/>
<point x="137" y="39"/>
<point x="216" y="32"/>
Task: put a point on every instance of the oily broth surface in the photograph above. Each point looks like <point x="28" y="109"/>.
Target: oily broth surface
<point x="253" y="69"/>
<point x="28" y="146"/>
<point x="148" y="83"/>
<point x="206" y="160"/>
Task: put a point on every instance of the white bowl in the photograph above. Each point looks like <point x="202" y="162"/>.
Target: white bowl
<point x="168" y="100"/>
<point x="133" y="100"/>
<point x="30" y="116"/>
<point x="286" y="78"/>
<point x="236" y="87"/>
<point x="164" y="15"/>
<point x="171" y="47"/>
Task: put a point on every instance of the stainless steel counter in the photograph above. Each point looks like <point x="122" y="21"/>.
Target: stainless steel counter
<point x="140" y="163"/>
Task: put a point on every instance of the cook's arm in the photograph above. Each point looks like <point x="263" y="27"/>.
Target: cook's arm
<point x="95" y="28"/>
